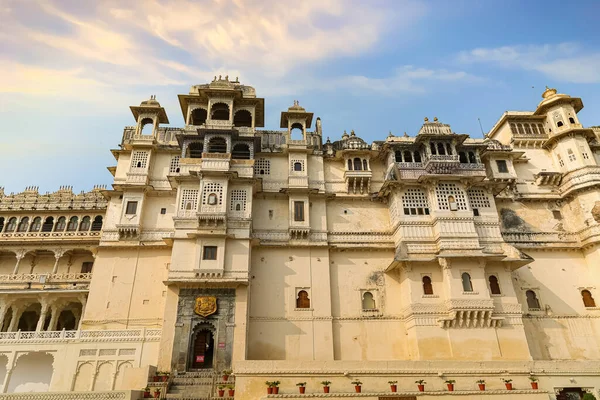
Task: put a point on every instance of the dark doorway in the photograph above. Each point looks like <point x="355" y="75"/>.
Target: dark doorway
<point x="570" y="394"/>
<point x="202" y="350"/>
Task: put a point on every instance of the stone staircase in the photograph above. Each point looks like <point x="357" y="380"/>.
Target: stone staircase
<point x="193" y="385"/>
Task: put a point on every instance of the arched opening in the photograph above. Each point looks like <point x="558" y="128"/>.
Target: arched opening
<point x="238" y="207"/>
<point x="219" y="112"/>
<point x="365" y="165"/>
<point x="532" y="301"/>
<point x="349" y="165"/>
<point x="466" y="282"/>
<point x="35" y="225"/>
<point x="520" y="129"/>
<point x="1" y="223"/>
<point x="528" y="129"/>
<point x="32" y="373"/>
<point x="48" y="224"/>
<point x="23" y="225"/>
<point x="398" y="156"/>
<point x="472" y="158"/>
<point x="202" y="349"/>
<point x="29" y="318"/>
<point x="433" y="148"/>
<point x="12" y="225"/>
<point x="441" y="149"/>
<point x="494" y="286"/>
<point x="302" y="301"/>
<point x="417" y="156"/>
<point x="448" y="149"/>
<point x="217" y="145"/>
<point x="297" y="131"/>
<point x="120" y="383"/>
<point x="97" y="224"/>
<point x="85" y="224"/>
<point x="198" y="116"/>
<point x="588" y="300"/>
<point x="195" y="150"/>
<point x="427" y="286"/>
<point x="212" y="199"/>
<point x="452" y="203"/>
<point x="462" y="157"/>
<point x="368" y="301"/>
<point x="408" y="156"/>
<point x="104" y="375"/>
<point x="559" y="124"/>
<point x="66" y="321"/>
<point x="72" y="225"/>
<point x="357" y="164"/>
<point x="147" y="126"/>
<point x="298" y="166"/>
<point x="540" y="128"/>
<point x="242" y="118"/>
<point x="241" y="151"/>
<point x="7" y="319"/>
<point x="60" y="224"/>
<point x="572" y="120"/>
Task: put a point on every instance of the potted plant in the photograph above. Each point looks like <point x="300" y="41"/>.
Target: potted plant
<point x="157" y="393"/>
<point x="481" y="384"/>
<point x="357" y="386"/>
<point x="508" y="383"/>
<point x="275" y="387"/>
<point x="534" y="382"/>
<point x="226" y="373"/>
<point x="393" y="385"/>
<point x="450" y="384"/>
<point x="162" y="376"/>
<point x="269" y="387"/>
<point x="589" y="396"/>
<point x="326" y="386"/>
<point x="421" y="385"/>
<point x="146" y="392"/>
<point x="230" y="390"/>
<point x="301" y="387"/>
<point x="221" y="390"/>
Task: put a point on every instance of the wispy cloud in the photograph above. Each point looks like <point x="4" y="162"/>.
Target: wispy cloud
<point x="567" y="62"/>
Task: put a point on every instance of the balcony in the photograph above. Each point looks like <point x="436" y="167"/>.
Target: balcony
<point x="217" y="124"/>
<point x="137" y="177"/>
<point x="243" y="168"/>
<point x="72" y="281"/>
<point x="298" y="182"/>
<point x="208" y="276"/>
<point x="441" y="164"/>
<point x="218" y="162"/>
<point x="357" y="181"/>
<point x="44" y="236"/>
<point x="127" y="335"/>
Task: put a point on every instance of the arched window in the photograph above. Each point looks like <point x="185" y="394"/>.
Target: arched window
<point x="242" y="118"/>
<point x="48" y="224"/>
<point x="302" y="301"/>
<point x="357" y="164"/>
<point x="198" y="116"/>
<point x="147" y="126"/>
<point x="462" y="157"/>
<point x="441" y="149"/>
<point x="494" y="286"/>
<point x="466" y="282"/>
<point x="297" y="166"/>
<point x="349" y="165"/>
<point x="241" y="151"/>
<point x="12" y="224"/>
<point x="448" y="149"/>
<point x="540" y="129"/>
<point x="1" y="223"/>
<point x="427" y="286"/>
<point x="296" y="132"/>
<point x="513" y="128"/>
<point x="532" y="300"/>
<point x="528" y="129"/>
<point x="23" y="225"/>
<point x="195" y="149"/>
<point x="188" y="205"/>
<point x="452" y="203"/>
<point x="520" y="129"/>
<point x="219" y="112"/>
<point x="60" y="224"/>
<point x="217" y="145"/>
<point x="571" y="120"/>
<point x="365" y="165"/>
<point x="72" y="225"/>
<point x="398" y="156"/>
<point x="238" y="207"/>
<point x="408" y="156"/>
<point x="472" y="158"/>
<point x="212" y="199"/>
<point x="417" y="157"/>
<point x="559" y="124"/>
<point x="433" y="148"/>
<point x="588" y="300"/>
<point x="36" y="225"/>
<point x="368" y="301"/>
<point x="571" y="155"/>
<point x="85" y="224"/>
<point x="97" y="224"/>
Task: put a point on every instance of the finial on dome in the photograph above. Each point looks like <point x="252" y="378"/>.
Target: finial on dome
<point x="219" y="77"/>
<point x="328" y="141"/>
<point x="352" y="133"/>
<point x="435" y="119"/>
<point x="405" y="134"/>
<point x="549" y="92"/>
<point x="345" y="135"/>
<point x="215" y="79"/>
<point x="426" y="119"/>
<point x="227" y="77"/>
<point x="390" y="134"/>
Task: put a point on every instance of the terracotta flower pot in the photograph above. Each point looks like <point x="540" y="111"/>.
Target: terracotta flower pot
<point x="275" y="389"/>
<point x="394" y="388"/>
<point x="164" y="378"/>
<point x="156" y="378"/>
<point x="147" y="395"/>
<point x="225" y="377"/>
<point x="481" y="386"/>
<point x="508" y="386"/>
<point x="156" y="395"/>
<point x="357" y="388"/>
<point x="231" y="392"/>
<point x="421" y="388"/>
<point x="450" y="387"/>
<point x="302" y="389"/>
<point x="325" y="389"/>
<point x="534" y="385"/>
<point x="269" y="390"/>
<point x="221" y="393"/>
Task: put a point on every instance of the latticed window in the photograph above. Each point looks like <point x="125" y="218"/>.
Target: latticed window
<point x="85" y="224"/>
<point x="415" y="202"/>
<point x="36" y="224"/>
<point x="571" y="155"/>
<point x="23" y="225"/>
<point x="72" y="225"/>
<point x="262" y="166"/>
<point x="298" y="211"/>
<point x="447" y="191"/>
<point x="12" y="224"/>
<point x="174" y="166"/>
<point x="238" y="200"/>
<point x="209" y="253"/>
<point x="139" y="159"/>
<point x="212" y="191"/>
<point x="478" y="199"/>
<point x="61" y="224"/>
<point x="189" y="199"/>
<point x="297" y="165"/>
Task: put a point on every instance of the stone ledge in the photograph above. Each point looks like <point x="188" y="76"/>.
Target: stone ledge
<point x="408" y="394"/>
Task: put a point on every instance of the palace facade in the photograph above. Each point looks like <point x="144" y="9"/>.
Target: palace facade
<point x="286" y="256"/>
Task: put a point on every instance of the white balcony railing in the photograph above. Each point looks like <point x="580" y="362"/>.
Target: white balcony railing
<point x="73" y="277"/>
<point x="81" y="335"/>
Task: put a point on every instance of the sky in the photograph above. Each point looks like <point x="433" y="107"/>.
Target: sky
<point x="70" y="69"/>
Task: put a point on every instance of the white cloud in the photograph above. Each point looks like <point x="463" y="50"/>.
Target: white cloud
<point x="566" y="62"/>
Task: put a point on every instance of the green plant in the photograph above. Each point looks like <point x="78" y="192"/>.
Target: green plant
<point x="230" y="386"/>
<point x="533" y="379"/>
<point x="420" y="382"/>
<point x="326" y="383"/>
<point x="146" y="389"/>
<point x="356" y="383"/>
<point x="301" y="384"/>
<point x="226" y="372"/>
<point x="507" y="380"/>
<point x="481" y="381"/>
<point x="221" y="387"/>
<point x="275" y="383"/>
<point x="392" y="382"/>
<point x="162" y="373"/>
<point x="450" y="381"/>
<point x="269" y="383"/>
<point x="589" y="396"/>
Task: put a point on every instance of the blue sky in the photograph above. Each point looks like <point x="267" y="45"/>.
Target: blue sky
<point x="70" y="69"/>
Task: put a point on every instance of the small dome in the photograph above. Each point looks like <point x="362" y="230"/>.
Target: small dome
<point x="549" y="92"/>
<point x="150" y="102"/>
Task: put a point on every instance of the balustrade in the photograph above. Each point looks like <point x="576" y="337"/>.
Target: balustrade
<point x="81" y="335"/>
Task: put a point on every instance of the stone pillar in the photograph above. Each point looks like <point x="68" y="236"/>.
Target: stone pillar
<point x="20" y="254"/>
<point x="58" y="253"/>
<point x="43" y="313"/>
<point x="54" y="318"/>
<point x="6" y="378"/>
<point x="16" y="316"/>
<point x="3" y="309"/>
<point x="83" y="301"/>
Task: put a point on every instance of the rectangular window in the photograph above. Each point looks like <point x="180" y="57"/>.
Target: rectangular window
<point x="502" y="167"/>
<point x="86" y="267"/>
<point x="131" y="207"/>
<point x="298" y="211"/>
<point x="209" y="253"/>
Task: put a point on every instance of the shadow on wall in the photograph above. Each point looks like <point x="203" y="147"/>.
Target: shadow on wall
<point x="512" y="222"/>
<point x="32" y="373"/>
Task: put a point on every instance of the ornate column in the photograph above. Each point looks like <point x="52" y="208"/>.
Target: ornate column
<point x="43" y="314"/>
<point x="58" y="253"/>
<point x="54" y="318"/>
<point x="17" y="311"/>
<point x="20" y="254"/>
<point x="3" y="309"/>
<point x="83" y="301"/>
